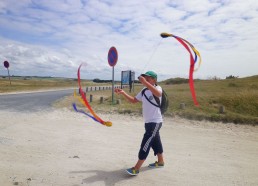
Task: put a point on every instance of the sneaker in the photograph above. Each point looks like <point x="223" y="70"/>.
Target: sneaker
<point x="132" y="171"/>
<point x="156" y="165"/>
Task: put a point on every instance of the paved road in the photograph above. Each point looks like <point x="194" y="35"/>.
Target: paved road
<point x="28" y="102"/>
<point x="38" y="101"/>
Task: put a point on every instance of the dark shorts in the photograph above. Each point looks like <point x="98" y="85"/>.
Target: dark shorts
<point x="151" y="139"/>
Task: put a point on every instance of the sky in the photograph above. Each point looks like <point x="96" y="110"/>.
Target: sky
<point x="52" y="38"/>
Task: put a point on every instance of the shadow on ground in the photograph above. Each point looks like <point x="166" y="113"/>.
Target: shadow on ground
<point x="109" y="178"/>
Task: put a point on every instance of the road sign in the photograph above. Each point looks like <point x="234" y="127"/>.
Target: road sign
<point x="6" y="64"/>
<point x="112" y="56"/>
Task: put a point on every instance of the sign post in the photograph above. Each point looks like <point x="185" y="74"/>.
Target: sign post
<point x="6" y="65"/>
<point x="112" y="60"/>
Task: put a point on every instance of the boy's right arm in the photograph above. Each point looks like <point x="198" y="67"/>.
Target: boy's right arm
<point x="127" y="96"/>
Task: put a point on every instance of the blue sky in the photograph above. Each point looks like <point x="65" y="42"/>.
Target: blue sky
<point x="52" y="38"/>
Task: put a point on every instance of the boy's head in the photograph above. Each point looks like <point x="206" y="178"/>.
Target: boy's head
<point x="150" y="74"/>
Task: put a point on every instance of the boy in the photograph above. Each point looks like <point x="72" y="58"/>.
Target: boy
<point x="152" y="118"/>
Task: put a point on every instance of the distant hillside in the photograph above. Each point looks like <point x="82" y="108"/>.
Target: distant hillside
<point x="175" y="81"/>
<point x="179" y="80"/>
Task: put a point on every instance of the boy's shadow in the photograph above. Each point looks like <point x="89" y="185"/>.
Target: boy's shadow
<point x="109" y="178"/>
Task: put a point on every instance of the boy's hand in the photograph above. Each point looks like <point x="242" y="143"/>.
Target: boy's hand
<point x="142" y="80"/>
<point x="119" y="91"/>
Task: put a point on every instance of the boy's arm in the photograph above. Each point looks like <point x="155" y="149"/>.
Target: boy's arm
<point x="127" y="96"/>
<point x="153" y="89"/>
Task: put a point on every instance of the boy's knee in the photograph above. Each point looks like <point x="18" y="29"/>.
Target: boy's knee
<point x="142" y="155"/>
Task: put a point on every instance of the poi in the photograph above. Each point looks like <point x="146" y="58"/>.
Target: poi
<point x="84" y="101"/>
<point x="185" y="43"/>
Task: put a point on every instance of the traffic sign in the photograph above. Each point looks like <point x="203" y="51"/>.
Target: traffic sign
<point x="6" y="64"/>
<point x="112" y="56"/>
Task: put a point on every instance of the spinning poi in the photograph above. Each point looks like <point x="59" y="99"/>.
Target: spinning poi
<point x="186" y="44"/>
<point x="84" y="101"/>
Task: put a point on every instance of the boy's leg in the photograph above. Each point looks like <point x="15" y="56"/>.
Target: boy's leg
<point x="160" y="158"/>
<point x="157" y="147"/>
<point x="151" y="130"/>
<point x="139" y="164"/>
<point x="158" y="150"/>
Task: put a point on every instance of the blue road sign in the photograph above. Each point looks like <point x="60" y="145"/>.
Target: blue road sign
<point x="112" y="56"/>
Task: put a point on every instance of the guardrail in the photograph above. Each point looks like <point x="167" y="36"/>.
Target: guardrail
<point x="99" y="88"/>
<point x="102" y="88"/>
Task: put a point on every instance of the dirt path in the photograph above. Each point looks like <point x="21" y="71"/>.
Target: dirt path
<point x="66" y="148"/>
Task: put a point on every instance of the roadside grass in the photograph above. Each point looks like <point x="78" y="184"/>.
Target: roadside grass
<point x="238" y="97"/>
<point x="20" y="84"/>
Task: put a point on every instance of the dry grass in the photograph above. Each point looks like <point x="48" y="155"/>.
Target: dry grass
<point x="238" y="96"/>
<point x="38" y="83"/>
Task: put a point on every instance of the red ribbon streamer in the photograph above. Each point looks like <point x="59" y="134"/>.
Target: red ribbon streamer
<point x="191" y="70"/>
<point x="84" y="97"/>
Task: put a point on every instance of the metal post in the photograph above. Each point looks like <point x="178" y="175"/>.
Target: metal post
<point x="9" y="76"/>
<point x="122" y="80"/>
<point x="113" y="85"/>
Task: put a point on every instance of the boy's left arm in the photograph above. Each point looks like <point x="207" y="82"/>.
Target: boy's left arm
<point x="152" y="88"/>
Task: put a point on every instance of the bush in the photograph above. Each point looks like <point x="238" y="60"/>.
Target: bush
<point x="231" y="77"/>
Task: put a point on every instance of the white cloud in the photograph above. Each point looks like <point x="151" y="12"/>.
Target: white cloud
<point x="53" y="38"/>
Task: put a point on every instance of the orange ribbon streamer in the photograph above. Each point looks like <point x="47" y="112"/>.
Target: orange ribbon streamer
<point x="86" y="103"/>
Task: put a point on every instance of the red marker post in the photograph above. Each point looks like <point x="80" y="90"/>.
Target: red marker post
<point x="6" y="65"/>
<point x="112" y="60"/>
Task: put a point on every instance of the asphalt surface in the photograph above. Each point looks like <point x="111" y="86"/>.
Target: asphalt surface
<point x="29" y="102"/>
